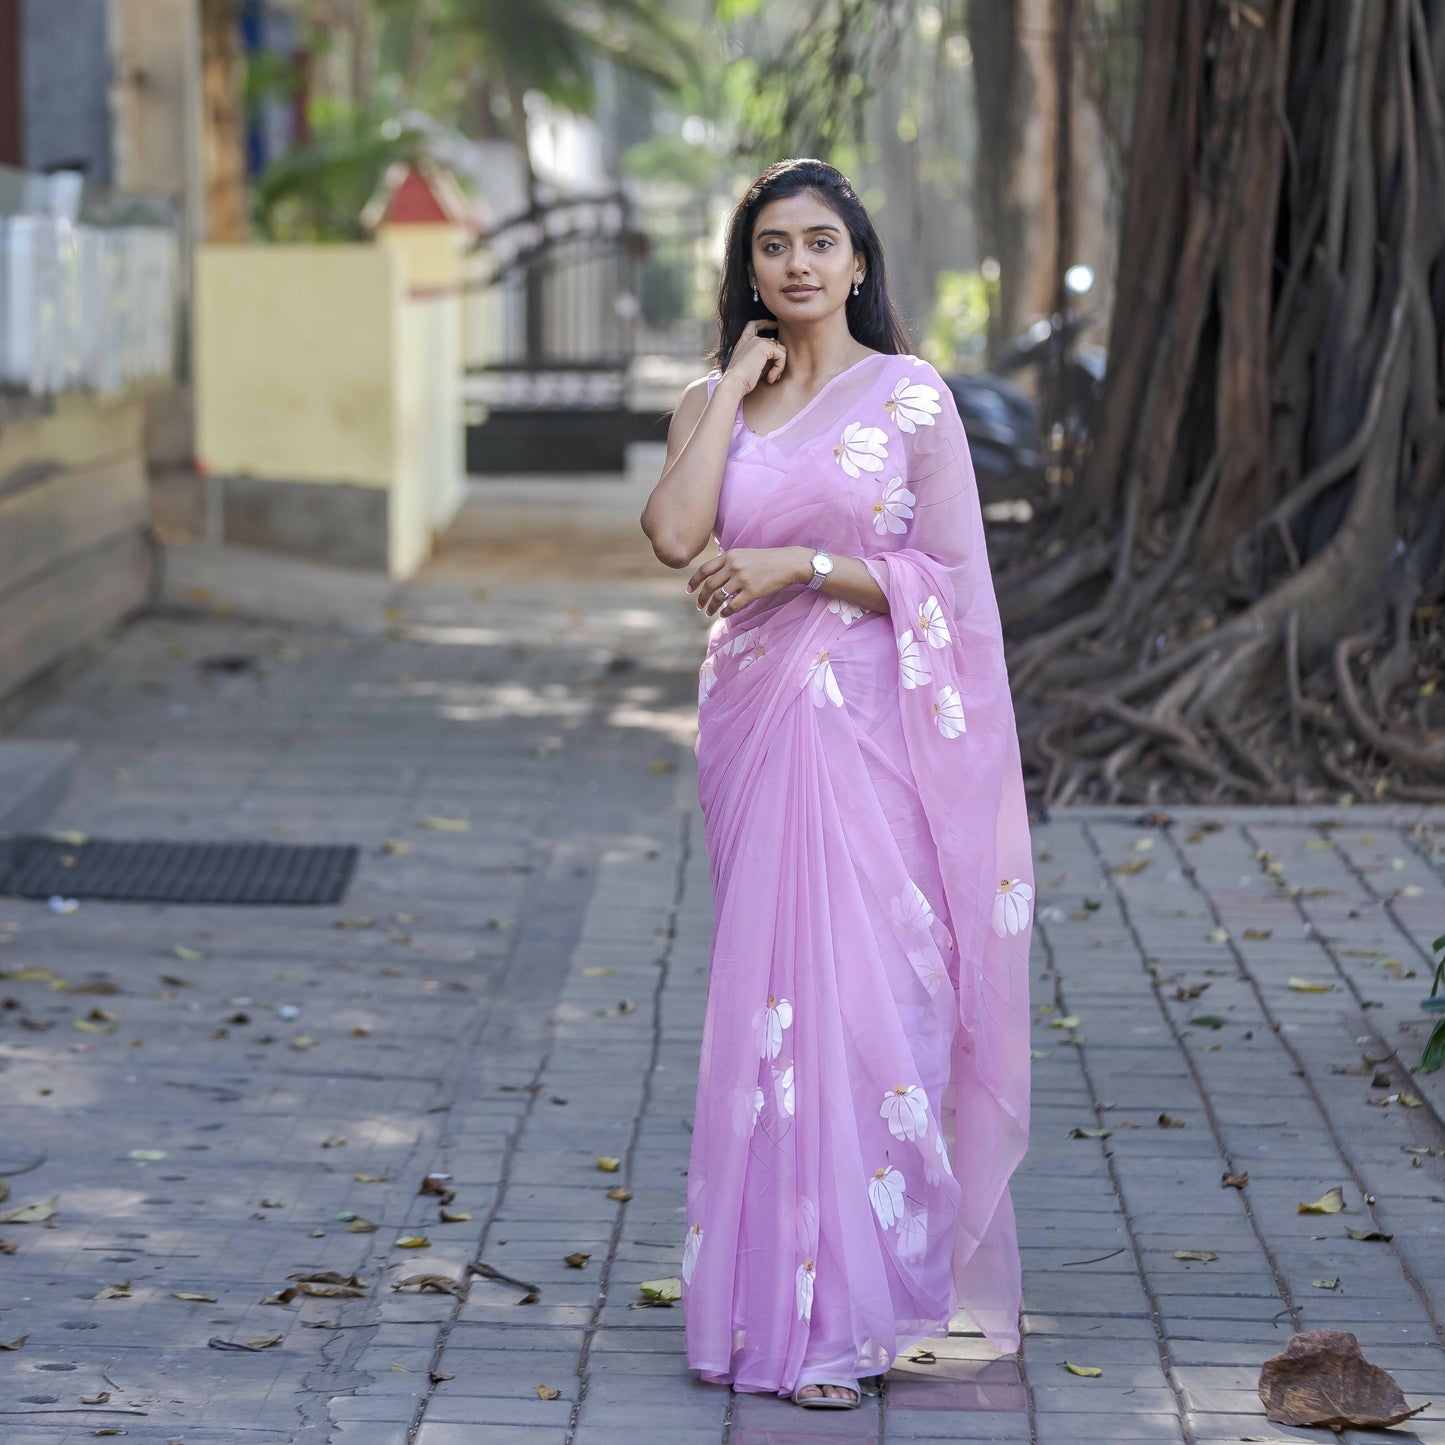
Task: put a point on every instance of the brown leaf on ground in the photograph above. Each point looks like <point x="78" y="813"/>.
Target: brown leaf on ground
<point x="99" y="1399"/>
<point x="284" y="1298"/>
<point x="7" y="1248"/>
<point x="454" y="1216"/>
<point x="1187" y="991"/>
<point x="438" y="1185"/>
<point x="1321" y="1379"/>
<point x="1168" y="1121"/>
<point x="621" y="1194"/>
<point x="1234" y="1181"/>
<point x="1203" y="1256"/>
<point x="1330" y="1202"/>
<point x="576" y="1261"/>
<point x="546" y="1392"/>
<point x="114" y="1291"/>
<point x="1371" y="1235"/>
<point x="14" y="1344"/>
<point x="437" y="1376"/>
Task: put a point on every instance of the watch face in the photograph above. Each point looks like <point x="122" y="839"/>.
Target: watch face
<point x="822" y="562"/>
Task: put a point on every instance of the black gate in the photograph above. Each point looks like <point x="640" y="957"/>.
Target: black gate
<point x="579" y="322"/>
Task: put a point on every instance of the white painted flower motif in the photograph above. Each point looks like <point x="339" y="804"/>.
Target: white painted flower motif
<point x="935" y="1161"/>
<point x="1011" y="906"/>
<point x="885" y="1193"/>
<point x="743" y="640"/>
<point x="805" y="1290"/>
<point x="913" y="404"/>
<point x="747" y="1107"/>
<point x="783" y="1090"/>
<point x="905" y="1107"/>
<point x="912" y="667"/>
<point x="893" y="509"/>
<point x="913" y="1234"/>
<point x="755" y="654"/>
<point x="912" y="913"/>
<point x="706" y="680"/>
<point x="929" y="966"/>
<point x="948" y="712"/>
<point x="863" y="449"/>
<point x="691" y="1248"/>
<point x="848" y="611"/>
<point x="824" y="683"/>
<point x="933" y="625"/>
<point x="770" y="1023"/>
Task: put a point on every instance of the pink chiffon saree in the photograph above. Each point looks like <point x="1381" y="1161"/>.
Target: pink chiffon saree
<point x="863" y="1093"/>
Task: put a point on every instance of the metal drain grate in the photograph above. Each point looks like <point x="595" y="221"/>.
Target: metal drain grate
<point x="150" y="871"/>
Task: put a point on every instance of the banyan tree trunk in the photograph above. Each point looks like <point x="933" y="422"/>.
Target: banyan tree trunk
<point x="1268" y="465"/>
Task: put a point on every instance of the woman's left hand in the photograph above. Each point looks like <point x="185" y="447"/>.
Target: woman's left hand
<point x="728" y="582"/>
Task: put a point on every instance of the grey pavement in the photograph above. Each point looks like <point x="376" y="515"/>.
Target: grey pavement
<point x="513" y="990"/>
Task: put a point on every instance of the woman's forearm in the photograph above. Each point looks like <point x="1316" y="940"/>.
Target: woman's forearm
<point x="849" y="581"/>
<point x="682" y="511"/>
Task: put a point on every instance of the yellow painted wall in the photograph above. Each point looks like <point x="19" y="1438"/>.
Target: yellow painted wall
<point x="295" y="361"/>
<point x="433" y="252"/>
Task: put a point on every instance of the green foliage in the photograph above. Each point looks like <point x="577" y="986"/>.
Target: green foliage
<point x="957" y="333"/>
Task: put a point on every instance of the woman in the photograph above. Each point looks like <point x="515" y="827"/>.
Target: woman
<point x="863" y="1096"/>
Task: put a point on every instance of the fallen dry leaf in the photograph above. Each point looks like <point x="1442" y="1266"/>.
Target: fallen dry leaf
<point x="661" y="1291"/>
<point x="208" y="1299"/>
<point x="576" y="1261"/>
<point x="1234" y="1181"/>
<point x="1089" y="1372"/>
<point x="434" y="1283"/>
<point x="14" y="1344"/>
<point x="621" y="1194"/>
<point x="32" y="1213"/>
<point x="1088" y="1133"/>
<point x="445" y="825"/>
<point x="923" y="1357"/>
<point x="1187" y="991"/>
<point x="1204" y="1256"/>
<point x="1168" y="1121"/>
<point x="608" y="1165"/>
<point x="413" y="1241"/>
<point x="360" y="1226"/>
<point x="7" y="1248"/>
<point x="1330" y="1202"/>
<point x="1370" y="1235"/>
<point x="1305" y="985"/>
<point x="114" y="1291"/>
<point x="437" y="1376"/>
<point x="454" y="1216"/>
<point x="284" y="1298"/>
<point x="257" y="1342"/>
<point x="1321" y="1379"/>
<point x="99" y="1399"/>
<point x="546" y="1392"/>
<point x="1325" y="1283"/>
<point x="1068" y="1021"/>
<point x="369" y="1178"/>
<point x="333" y="1141"/>
<point x="191" y="955"/>
<point x="395" y="845"/>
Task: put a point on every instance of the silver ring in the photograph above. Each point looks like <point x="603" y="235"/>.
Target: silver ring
<point x="726" y="595"/>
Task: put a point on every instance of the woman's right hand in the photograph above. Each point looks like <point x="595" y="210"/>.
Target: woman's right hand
<point x="755" y="355"/>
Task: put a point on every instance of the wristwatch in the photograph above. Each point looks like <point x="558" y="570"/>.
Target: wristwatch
<point x="822" y="568"/>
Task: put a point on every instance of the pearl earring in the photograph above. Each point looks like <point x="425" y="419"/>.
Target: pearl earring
<point x="855" y="288"/>
<point x="755" y="293"/>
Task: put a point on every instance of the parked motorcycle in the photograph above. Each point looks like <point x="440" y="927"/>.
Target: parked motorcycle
<point x="1013" y="460"/>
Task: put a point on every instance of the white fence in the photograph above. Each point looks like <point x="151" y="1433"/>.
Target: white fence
<point x="83" y="305"/>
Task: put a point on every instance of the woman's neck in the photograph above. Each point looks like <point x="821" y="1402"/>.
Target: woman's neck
<point x="821" y="350"/>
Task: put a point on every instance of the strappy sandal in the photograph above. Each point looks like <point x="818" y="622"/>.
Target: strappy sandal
<point x="827" y="1402"/>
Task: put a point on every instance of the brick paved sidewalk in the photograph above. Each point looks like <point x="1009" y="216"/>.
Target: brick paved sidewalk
<point x="507" y="1003"/>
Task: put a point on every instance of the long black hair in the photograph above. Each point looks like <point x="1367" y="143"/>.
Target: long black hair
<point x="872" y="317"/>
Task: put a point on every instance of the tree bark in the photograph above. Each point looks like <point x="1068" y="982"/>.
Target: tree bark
<point x="223" y="74"/>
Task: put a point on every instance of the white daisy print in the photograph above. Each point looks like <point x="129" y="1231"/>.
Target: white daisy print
<point x="912" y="668"/>
<point x="893" y="509"/>
<point x="783" y="1090"/>
<point x="1011" y="907"/>
<point x="948" y="712"/>
<point x="913" y="404"/>
<point x="935" y="1161"/>
<point x="690" y="1251"/>
<point x="824" y="683"/>
<point x="885" y="1193"/>
<point x="863" y="449"/>
<point x="770" y="1023"/>
<point x="754" y="654"/>
<point x="933" y="625"/>
<point x="913" y="1234"/>
<point x="905" y="1107"/>
<point x="848" y="611"/>
<point x="805" y="1290"/>
<point x="706" y="680"/>
<point x="912" y="913"/>
<point x="929" y="966"/>
<point x="743" y="641"/>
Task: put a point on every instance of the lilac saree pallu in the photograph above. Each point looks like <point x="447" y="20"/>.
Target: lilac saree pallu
<point x="863" y="1094"/>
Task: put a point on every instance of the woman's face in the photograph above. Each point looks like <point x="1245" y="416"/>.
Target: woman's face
<point x="802" y="263"/>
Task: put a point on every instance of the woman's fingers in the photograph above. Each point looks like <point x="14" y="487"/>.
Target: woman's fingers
<point x="712" y="565"/>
